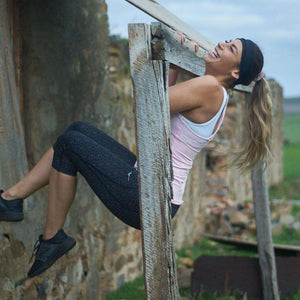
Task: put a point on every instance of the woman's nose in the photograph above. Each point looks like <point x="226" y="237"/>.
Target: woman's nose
<point x="221" y="45"/>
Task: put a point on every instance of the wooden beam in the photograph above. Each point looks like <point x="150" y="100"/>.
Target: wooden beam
<point x="13" y="162"/>
<point x="264" y="232"/>
<point x="234" y="241"/>
<point x="160" y="13"/>
<point x="166" y="45"/>
<point x="150" y="81"/>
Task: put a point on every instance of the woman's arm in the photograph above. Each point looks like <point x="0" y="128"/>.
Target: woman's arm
<point x="198" y="92"/>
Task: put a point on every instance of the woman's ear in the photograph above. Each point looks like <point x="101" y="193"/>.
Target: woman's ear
<point x="235" y="74"/>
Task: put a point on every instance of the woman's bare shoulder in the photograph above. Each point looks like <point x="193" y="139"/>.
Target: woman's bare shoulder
<point x="195" y="93"/>
<point x="209" y="88"/>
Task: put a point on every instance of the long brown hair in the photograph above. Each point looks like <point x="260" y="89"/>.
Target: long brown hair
<point x="259" y="122"/>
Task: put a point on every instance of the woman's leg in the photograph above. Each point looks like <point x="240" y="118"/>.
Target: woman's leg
<point x="104" y="140"/>
<point x="38" y="177"/>
<point x="112" y="178"/>
<point x="62" y="190"/>
<point x="108" y="170"/>
<point x="33" y="181"/>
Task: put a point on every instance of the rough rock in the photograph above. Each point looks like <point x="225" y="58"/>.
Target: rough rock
<point x="296" y="225"/>
<point x="277" y="228"/>
<point x="286" y="219"/>
<point x="237" y="218"/>
<point x="184" y="276"/>
<point x="187" y="262"/>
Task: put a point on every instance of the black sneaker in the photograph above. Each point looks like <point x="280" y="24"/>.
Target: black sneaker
<point x="47" y="252"/>
<point x="12" y="210"/>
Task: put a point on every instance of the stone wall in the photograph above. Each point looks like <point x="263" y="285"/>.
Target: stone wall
<point x="65" y="76"/>
<point x="70" y="73"/>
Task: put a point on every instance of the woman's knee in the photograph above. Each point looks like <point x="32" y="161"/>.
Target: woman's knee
<point x="66" y="140"/>
<point x="77" y="126"/>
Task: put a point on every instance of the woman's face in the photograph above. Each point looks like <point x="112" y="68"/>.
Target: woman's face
<point x="225" y="58"/>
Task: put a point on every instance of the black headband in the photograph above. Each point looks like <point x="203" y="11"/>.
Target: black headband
<point x="247" y="62"/>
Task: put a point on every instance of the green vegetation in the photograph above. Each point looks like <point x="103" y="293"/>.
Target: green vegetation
<point x="135" y="291"/>
<point x="289" y="236"/>
<point x="209" y="247"/>
<point x="131" y="290"/>
<point x="290" y="188"/>
<point x="291" y="128"/>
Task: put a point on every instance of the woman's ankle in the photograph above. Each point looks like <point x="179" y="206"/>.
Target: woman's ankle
<point x="49" y="234"/>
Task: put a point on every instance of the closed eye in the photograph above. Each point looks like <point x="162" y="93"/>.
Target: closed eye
<point x="233" y="46"/>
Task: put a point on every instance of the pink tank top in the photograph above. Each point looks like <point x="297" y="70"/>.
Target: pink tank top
<point x="185" y="145"/>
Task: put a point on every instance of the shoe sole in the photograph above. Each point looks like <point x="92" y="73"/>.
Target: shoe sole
<point x="63" y="249"/>
<point x="11" y="216"/>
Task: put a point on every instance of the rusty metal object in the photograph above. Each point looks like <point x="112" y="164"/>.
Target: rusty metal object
<point x="222" y="274"/>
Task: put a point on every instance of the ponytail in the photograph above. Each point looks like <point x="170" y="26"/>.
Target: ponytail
<point x="259" y="128"/>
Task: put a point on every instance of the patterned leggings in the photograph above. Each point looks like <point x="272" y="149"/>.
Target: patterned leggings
<point x="106" y="165"/>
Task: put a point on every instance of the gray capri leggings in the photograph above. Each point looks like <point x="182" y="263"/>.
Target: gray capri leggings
<point x="106" y="165"/>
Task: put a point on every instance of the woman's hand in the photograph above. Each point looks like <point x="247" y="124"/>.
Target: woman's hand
<point x="173" y="75"/>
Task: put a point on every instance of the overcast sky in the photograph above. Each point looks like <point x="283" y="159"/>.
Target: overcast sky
<point x="274" y="25"/>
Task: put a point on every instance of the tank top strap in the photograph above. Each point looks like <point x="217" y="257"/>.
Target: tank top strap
<point x="221" y="118"/>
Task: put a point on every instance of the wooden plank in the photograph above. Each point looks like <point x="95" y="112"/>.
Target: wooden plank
<point x="166" y="45"/>
<point x="13" y="162"/>
<point x="264" y="233"/>
<point x="234" y="241"/>
<point x="150" y="81"/>
<point x="160" y="13"/>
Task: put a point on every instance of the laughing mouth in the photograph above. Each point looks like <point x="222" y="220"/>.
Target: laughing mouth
<point x="215" y="53"/>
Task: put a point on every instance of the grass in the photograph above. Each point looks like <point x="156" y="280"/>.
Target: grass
<point x="291" y="161"/>
<point x="132" y="290"/>
<point x="290" y="187"/>
<point x="289" y="236"/>
<point x="208" y="247"/>
<point x="135" y="291"/>
<point x="291" y="128"/>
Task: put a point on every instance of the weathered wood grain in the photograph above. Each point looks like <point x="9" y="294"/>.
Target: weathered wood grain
<point x="160" y="13"/>
<point x="150" y="81"/>
<point x="264" y="233"/>
<point x="13" y="162"/>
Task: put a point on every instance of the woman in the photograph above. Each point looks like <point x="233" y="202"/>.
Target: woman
<point x="197" y="109"/>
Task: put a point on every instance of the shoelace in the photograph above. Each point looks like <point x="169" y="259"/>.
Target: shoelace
<point x="35" y="249"/>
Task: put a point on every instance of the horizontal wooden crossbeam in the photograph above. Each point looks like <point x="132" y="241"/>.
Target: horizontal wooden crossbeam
<point x="161" y="14"/>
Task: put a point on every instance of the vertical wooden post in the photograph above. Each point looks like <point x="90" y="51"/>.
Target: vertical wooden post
<point x="13" y="160"/>
<point x="150" y="81"/>
<point x="264" y="232"/>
